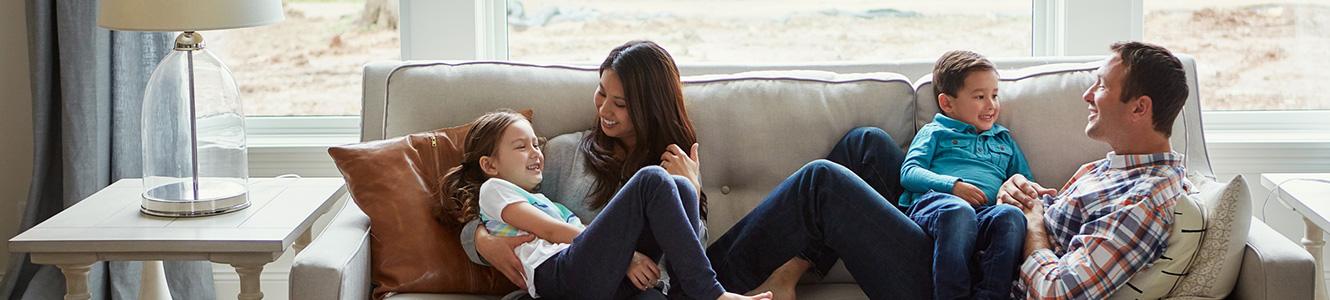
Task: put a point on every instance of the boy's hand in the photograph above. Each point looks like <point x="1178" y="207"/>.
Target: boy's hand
<point x="1022" y="192"/>
<point x="642" y="271"/>
<point x="969" y="193"/>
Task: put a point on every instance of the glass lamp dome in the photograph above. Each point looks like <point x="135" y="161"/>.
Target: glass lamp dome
<point x="195" y="160"/>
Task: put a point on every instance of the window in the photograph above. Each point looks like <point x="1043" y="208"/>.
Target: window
<point x="1250" y="54"/>
<point x="780" y="30"/>
<point x="309" y="64"/>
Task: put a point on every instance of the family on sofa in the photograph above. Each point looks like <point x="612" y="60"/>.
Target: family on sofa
<point x="972" y="224"/>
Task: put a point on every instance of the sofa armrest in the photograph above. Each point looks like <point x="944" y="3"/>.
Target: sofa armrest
<point x="336" y="264"/>
<point x="1274" y="267"/>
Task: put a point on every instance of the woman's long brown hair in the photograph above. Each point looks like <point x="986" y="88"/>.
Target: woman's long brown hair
<point x="655" y="104"/>
<point x="462" y="184"/>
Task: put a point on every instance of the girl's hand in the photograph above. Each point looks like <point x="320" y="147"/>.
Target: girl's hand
<point x="675" y="161"/>
<point x="642" y="271"/>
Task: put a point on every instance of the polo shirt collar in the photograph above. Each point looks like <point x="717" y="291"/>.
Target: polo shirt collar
<point x="1137" y="160"/>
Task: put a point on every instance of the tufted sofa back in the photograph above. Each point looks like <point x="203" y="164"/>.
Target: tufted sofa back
<point x="758" y="123"/>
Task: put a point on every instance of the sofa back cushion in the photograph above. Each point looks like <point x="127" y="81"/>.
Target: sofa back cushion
<point x="757" y="128"/>
<point x="426" y="96"/>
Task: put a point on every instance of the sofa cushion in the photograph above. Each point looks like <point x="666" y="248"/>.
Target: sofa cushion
<point x="1215" y="269"/>
<point x="1185" y="238"/>
<point x="1042" y="107"/>
<point x="396" y="182"/>
<point x="754" y="129"/>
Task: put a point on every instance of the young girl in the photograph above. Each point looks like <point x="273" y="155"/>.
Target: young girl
<point x="502" y="164"/>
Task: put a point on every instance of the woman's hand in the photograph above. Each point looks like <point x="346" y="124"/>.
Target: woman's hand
<point x="675" y="161"/>
<point x="498" y="250"/>
<point x="970" y="193"/>
<point x="643" y="272"/>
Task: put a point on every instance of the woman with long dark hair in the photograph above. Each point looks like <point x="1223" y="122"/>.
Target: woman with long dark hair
<point x="640" y="122"/>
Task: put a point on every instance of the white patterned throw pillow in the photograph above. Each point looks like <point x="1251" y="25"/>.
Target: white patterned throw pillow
<point x="1166" y="272"/>
<point x="1215" y="269"/>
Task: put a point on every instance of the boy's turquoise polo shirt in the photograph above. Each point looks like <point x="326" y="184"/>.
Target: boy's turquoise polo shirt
<point x="947" y="150"/>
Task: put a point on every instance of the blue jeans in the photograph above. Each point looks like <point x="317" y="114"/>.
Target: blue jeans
<point x="653" y="203"/>
<point x="976" y="248"/>
<point x="828" y="211"/>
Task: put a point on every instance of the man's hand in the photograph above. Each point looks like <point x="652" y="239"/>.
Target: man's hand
<point x="1022" y="192"/>
<point x="643" y="272"/>
<point x="1036" y="235"/>
<point x="498" y="250"/>
<point x="968" y="192"/>
<point x="676" y="162"/>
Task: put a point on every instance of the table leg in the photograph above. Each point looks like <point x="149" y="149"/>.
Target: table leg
<point x="76" y="280"/>
<point x="304" y="240"/>
<point x="1313" y="240"/>
<point x="249" y="281"/>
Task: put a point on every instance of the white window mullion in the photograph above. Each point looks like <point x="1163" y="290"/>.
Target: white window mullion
<point x="453" y="29"/>
<point x="1085" y="27"/>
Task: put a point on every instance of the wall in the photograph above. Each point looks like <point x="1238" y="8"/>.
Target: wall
<point x="15" y="120"/>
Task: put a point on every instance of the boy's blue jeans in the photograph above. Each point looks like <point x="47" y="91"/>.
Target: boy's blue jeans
<point x="976" y="248"/>
<point x="834" y="209"/>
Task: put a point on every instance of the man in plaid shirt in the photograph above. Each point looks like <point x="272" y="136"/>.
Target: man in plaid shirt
<point x="1113" y="217"/>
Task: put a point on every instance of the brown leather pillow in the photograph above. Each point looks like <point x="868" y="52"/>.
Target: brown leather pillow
<point x="396" y="182"/>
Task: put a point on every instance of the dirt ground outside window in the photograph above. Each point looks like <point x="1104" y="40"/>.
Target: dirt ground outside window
<point x="1250" y="56"/>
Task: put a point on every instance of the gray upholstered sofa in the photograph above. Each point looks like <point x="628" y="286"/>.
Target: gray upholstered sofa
<point x="756" y="128"/>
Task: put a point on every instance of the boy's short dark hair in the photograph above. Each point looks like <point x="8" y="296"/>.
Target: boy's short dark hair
<point x="950" y="70"/>
<point x="1151" y="70"/>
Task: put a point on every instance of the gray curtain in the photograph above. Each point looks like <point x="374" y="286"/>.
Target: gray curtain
<point x="87" y="90"/>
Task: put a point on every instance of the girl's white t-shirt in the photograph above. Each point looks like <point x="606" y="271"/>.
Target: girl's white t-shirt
<point x="496" y="194"/>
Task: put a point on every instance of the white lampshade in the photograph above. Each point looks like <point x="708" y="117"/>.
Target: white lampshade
<point x="187" y="15"/>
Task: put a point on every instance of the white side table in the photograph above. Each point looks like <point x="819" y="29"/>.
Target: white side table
<point x="1311" y="200"/>
<point x="108" y="226"/>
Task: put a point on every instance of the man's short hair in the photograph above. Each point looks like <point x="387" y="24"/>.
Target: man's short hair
<point x="1151" y="70"/>
<point x="950" y="70"/>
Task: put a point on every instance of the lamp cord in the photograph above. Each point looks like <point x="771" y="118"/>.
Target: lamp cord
<point x="1281" y="200"/>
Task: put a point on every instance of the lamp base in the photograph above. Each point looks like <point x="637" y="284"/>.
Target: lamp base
<point x="177" y="199"/>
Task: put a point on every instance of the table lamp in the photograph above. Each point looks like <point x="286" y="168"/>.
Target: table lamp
<point x="195" y="161"/>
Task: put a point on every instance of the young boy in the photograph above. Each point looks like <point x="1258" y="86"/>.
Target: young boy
<point x="951" y="176"/>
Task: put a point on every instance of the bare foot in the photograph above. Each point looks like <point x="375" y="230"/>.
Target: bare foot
<point x="782" y="281"/>
<point x="777" y="291"/>
<point x="733" y="296"/>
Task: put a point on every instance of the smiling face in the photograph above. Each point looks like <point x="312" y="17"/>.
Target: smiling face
<point x="517" y="157"/>
<point x="612" y="109"/>
<point x="1108" y="114"/>
<point x="976" y="102"/>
